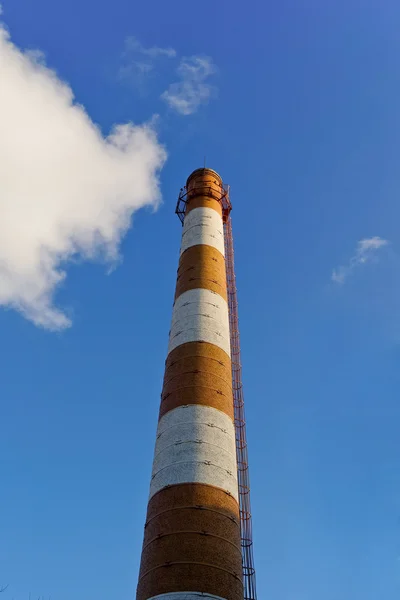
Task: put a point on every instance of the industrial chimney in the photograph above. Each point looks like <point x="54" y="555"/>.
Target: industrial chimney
<point x="198" y="510"/>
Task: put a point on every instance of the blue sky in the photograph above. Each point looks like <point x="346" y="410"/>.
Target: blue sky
<point x="297" y="106"/>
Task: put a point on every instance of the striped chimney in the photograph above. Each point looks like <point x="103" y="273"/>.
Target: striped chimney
<point x="192" y="545"/>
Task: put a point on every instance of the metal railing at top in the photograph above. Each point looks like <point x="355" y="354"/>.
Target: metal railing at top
<point x="207" y="191"/>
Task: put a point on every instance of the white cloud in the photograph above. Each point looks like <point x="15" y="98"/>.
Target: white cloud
<point x="36" y="56"/>
<point x="65" y="190"/>
<point x="186" y="95"/>
<point x="365" y="252"/>
<point x="139" y="60"/>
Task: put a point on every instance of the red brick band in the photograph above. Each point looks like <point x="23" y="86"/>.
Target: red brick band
<point x="195" y="528"/>
<point x="201" y="266"/>
<point x="204" y="189"/>
<point x="197" y="373"/>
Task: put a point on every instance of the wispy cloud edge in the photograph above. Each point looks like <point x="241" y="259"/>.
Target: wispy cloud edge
<point x="186" y="96"/>
<point x="365" y="252"/>
<point x="139" y="60"/>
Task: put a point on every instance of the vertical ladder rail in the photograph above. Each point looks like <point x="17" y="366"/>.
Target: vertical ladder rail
<point x="249" y="574"/>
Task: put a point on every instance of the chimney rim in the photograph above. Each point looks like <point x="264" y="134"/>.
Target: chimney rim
<point x="203" y="170"/>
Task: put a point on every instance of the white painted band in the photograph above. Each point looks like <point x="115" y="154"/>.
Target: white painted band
<point x="195" y="444"/>
<point x="186" y="596"/>
<point x="195" y="472"/>
<point x="200" y="315"/>
<point x="203" y="226"/>
<point x="194" y="412"/>
<point x="195" y="423"/>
